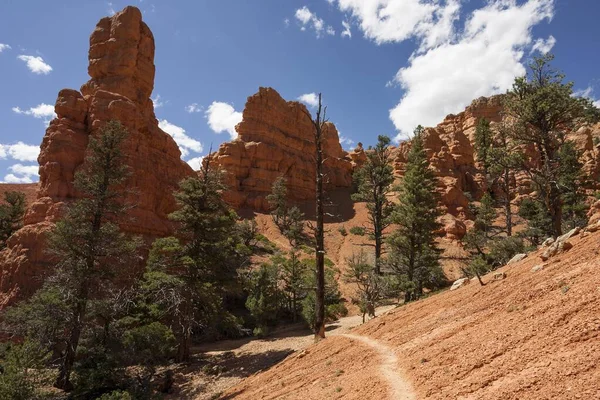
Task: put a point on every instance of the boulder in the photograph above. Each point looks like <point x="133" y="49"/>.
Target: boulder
<point x="460" y="283"/>
<point x="517" y="258"/>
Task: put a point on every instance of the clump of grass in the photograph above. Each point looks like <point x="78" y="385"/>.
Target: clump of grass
<point x="357" y="230"/>
<point x="339" y="372"/>
<point x="342" y="230"/>
<point x="338" y="389"/>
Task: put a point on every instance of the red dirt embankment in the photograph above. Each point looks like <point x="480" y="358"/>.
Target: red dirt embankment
<point x="533" y="335"/>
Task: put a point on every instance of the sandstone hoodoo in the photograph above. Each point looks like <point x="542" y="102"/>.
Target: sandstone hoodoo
<point x="275" y="138"/>
<point x="121" y="67"/>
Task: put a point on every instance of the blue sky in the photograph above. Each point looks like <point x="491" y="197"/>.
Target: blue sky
<point x="383" y="66"/>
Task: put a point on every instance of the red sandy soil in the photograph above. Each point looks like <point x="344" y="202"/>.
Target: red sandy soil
<point x="533" y="335"/>
<point x="30" y="190"/>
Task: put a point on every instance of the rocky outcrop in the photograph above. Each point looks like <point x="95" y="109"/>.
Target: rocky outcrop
<point x="275" y="138"/>
<point x="121" y="67"/>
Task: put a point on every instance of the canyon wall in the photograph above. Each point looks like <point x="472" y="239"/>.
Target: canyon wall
<point x="121" y="67"/>
<point x="275" y="138"/>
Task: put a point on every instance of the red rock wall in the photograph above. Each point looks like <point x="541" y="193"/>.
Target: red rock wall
<point x="276" y="138"/>
<point x="121" y="67"/>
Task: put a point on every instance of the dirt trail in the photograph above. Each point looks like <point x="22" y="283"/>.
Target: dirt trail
<point x="400" y="388"/>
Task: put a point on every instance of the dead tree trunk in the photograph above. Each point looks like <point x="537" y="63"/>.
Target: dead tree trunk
<point x="318" y="125"/>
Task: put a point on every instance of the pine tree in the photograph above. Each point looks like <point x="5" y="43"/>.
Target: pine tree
<point x="292" y="275"/>
<point x="483" y="143"/>
<point x="186" y="274"/>
<point x="545" y="111"/>
<point x="263" y="298"/>
<point x="87" y="242"/>
<point x="413" y="254"/>
<point x="374" y="180"/>
<point x="289" y="220"/>
<point x="11" y="215"/>
<point x="370" y="285"/>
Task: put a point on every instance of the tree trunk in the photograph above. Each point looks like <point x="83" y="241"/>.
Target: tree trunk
<point x="507" y="209"/>
<point x="183" y="349"/>
<point x="319" y="234"/>
<point x="64" y="372"/>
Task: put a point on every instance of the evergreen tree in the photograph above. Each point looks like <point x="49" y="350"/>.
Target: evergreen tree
<point x="87" y="242"/>
<point x="263" y="298"/>
<point x="374" y="180"/>
<point x="413" y="253"/>
<point x="572" y="181"/>
<point x="289" y="220"/>
<point x="370" y="285"/>
<point x="504" y="160"/>
<point x="545" y="111"/>
<point x="292" y="275"/>
<point x="11" y="215"/>
<point x="186" y="275"/>
<point x="483" y="144"/>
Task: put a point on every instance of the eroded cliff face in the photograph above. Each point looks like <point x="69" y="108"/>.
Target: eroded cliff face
<point x="275" y="138"/>
<point x="121" y="67"/>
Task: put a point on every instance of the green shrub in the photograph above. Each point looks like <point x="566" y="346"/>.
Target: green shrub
<point x="342" y="230"/>
<point x="502" y="250"/>
<point x="20" y="371"/>
<point x="357" y="230"/>
<point x="116" y="395"/>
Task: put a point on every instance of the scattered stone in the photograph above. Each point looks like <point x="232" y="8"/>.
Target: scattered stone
<point x="593" y="227"/>
<point x="537" y="268"/>
<point x="517" y="258"/>
<point x="559" y="246"/>
<point x="498" y="276"/>
<point x="460" y="283"/>
<point x="548" y="242"/>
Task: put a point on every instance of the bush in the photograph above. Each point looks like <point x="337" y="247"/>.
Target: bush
<point x="116" y="395"/>
<point x="20" y="371"/>
<point x="502" y="250"/>
<point x="357" y="230"/>
<point x="342" y="230"/>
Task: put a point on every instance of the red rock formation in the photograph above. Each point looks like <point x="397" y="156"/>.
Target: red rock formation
<point x="121" y="67"/>
<point x="275" y="138"/>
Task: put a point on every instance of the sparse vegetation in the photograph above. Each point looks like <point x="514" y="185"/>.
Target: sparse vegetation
<point x="358" y="230"/>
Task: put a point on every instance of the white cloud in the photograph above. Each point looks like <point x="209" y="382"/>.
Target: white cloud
<point x="309" y="19"/>
<point x="384" y="21"/>
<point x="222" y="117"/>
<point x="36" y="64"/>
<point x="346" y="32"/>
<point x="28" y="170"/>
<point x="544" y="45"/>
<point x="111" y="10"/>
<point x="19" y="151"/>
<point x="43" y="111"/>
<point x="346" y="142"/>
<point x="156" y="102"/>
<point x="195" y="162"/>
<point x="194" y="108"/>
<point x="480" y="61"/>
<point x="310" y="99"/>
<point x="589" y="94"/>
<point x="22" y="174"/>
<point x="286" y="22"/>
<point x="186" y="144"/>
<point x="11" y="178"/>
<point x="4" y="47"/>
<point x="331" y="1"/>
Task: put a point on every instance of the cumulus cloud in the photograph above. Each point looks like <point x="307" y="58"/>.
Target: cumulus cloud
<point x="194" y="108"/>
<point x="449" y="69"/>
<point x="19" y="151"/>
<point x="43" y="111"/>
<point x="111" y="10"/>
<point x="346" y="142"/>
<point x="222" y="117"/>
<point x="346" y="32"/>
<point x="308" y="19"/>
<point x="4" y="47"/>
<point x="36" y="64"/>
<point x="186" y="143"/>
<point x="544" y="45"/>
<point x="385" y="21"/>
<point x="22" y="174"/>
<point x="310" y="99"/>
<point x="195" y="162"/>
